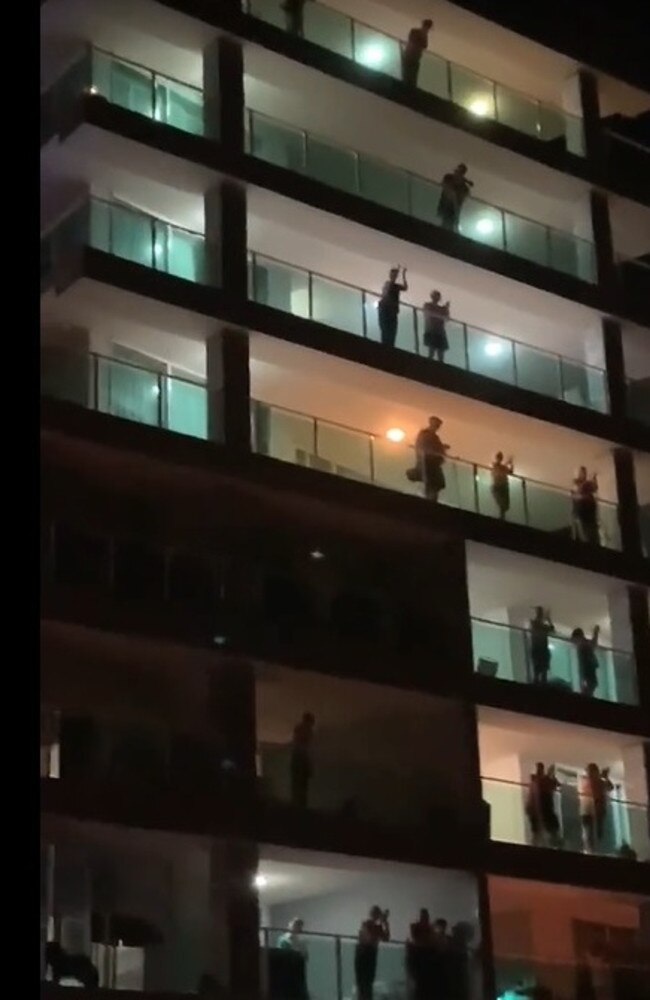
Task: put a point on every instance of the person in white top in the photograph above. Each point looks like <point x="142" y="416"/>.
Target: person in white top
<point x="593" y="788"/>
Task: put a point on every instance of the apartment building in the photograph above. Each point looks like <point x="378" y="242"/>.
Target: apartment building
<point x="290" y="673"/>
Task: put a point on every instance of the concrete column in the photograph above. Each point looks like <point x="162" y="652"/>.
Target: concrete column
<point x="620" y="616"/>
<point x="603" y="241"/>
<point x="235" y="909"/>
<point x="628" y="508"/>
<point x="639" y="620"/>
<point x="226" y="239"/>
<point x="488" y="971"/>
<point x="66" y="371"/>
<point x="231" y="713"/>
<point x="615" y="367"/>
<point x="223" y="93"/>
<point x="228" y="382"/>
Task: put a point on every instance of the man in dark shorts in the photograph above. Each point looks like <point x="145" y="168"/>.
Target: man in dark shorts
<point x="455" y="188"/>
<point x="388" y="307"/>
<point x="301" y="760"/>
<point x="416" y="44"/>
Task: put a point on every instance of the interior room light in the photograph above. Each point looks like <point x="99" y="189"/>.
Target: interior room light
<point x="395" y="434"/>
<point x="155" y="390"/>
<point x="493" y="348"/>
<point x="372" y="55"/>
<point x="92" y="89"/>
<point x="260" y="881"/>
<point x="157" y="249"/>
<point x="484" y="226"/>
<point x="316" y="554"/>
<point x="480" y="106"/>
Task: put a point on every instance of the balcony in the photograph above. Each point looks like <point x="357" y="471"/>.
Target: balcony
<point x="561" y="939"/>
<point x="416" y="196"/>
<point x="378" y="52"/>
<point x="323" y="299"/>
<point x="506" y="652"/>
<point x="611" y="822"/>
<point x="329" y="894"/>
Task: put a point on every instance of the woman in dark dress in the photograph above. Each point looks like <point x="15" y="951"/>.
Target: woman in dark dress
<point x="372" y="931"/>
<point x="435" y="335"/>
<point x="541" y="627"/>
<point x="585" y="507"/>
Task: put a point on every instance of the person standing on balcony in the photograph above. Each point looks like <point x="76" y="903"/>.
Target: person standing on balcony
<point x="594" y="787"/>
<point x="550" y="820"/>
<point x="294" y="11"/>
<point x="435" y="335"/>
<point x="533" y="805"/>
<point x="372" y="932"/>
<point x="455" y="188"/>
<point x="585" y="507"/>
<point x="587" y="659"/>
<point x="301" y="760"/>
<point x="541" y="627"/>
<point x="430" y="457"/>
<point x="500" y="488"/>
<point x="388" y="306"/>
<point x="415" y="47"/>
<point x="292" y="939"/>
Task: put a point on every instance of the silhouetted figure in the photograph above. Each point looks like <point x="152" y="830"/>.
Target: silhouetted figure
<point x="435" y="334"/>
<point x="587" y="659"/>
<point x="292" y="938"/>
<point x="533" y="806"/>
<point x="430" y="458"/>
<point x="442" y="960"/>
<point x="66" y="966"/>
<point x="549" y="785"/>
<point x="210" y="988"/>
<point x="541" y="627"/>
<point x="585" y="507"/>
<point x="388" y="306"/>
<point x="416" y="44"/>
<point x="419" y="957"/>
<point x="500" y="488"/>
<point x="455" y="188"/>
<point x="594" y="787"/>
<point x="301" y="760"/>
<point x="294" y="11"/>
<point x="372" y="931"/>
<point x="627" y="851"/>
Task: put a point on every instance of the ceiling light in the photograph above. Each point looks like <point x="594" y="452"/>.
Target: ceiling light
<point x="484" y="226"/>
<point x="493" y="348"/>
<point x="395" y="434"/>
<point x="316" y="554"/>
<point x="260" y="881"/>
<point x="372" y="55"/>
<point x="480" y="106"/>
<point x="93" y="89"/>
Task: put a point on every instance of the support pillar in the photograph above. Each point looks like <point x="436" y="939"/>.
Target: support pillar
<point x="580" y="98"/>
<point x="488" y="971"/>
<point x="615" y="367"/>
<point x="628" y="508"/>
<point x="223" y="93"/>
<point x="603" y="241"/>
<point x="231" y="713"/>
<point x="235" y="911"/>
<point x="226" y="239"/>
<point x="228" y="381"/>
<point x="639" y="613"/>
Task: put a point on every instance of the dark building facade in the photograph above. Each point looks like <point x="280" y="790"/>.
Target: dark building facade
<point x="307" y="651"/>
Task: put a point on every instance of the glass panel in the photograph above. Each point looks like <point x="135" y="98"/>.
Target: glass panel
<point x="490" y="355"/>
<point x="281" y="287"/>
<point x="186" y="408"/>
<point x="131" y="236"/>
<point x="129" y="86"/>
<point x="621" y="683"/>
<point x="517" y="111"/>
<point x="179" y="252"/>
<point x="480" y="221"/>
<point x="377" y="51"/>
<point x="552" y="125"/>
<point x="434" y="75"/>
<point x="391" y="460"/>
<point x="575" y="382"/>
<point x="333" y="165"/>
<point x="425" y="196"/>
<point x="526" y="239"/>
<point x="572" y="255"/>
<point x="268" y="10"/>
<point x="287" y="976"/>
<point x="100" y="226"/>
<point x="610" y="532"/>
<point x="179" y="106"/>
<point x="337" y="305"/>
<point x="384" y="184"/>
<point x="277" y="144"/>
<point x="328" y="28"/>
<point x="492" y="502"/>
<point x="406" y="335"/>
<point x="128" y="392"/>
<point x="500" y="651"/>
<point x="456" y="354"/>
<point x="286" y="436"/>
<point x="548" y="509"/>
<point x="537" y="371"/>
<point x="460" y="485"/>
<point x="472" y="92"/>
<point x="344" y="452"/>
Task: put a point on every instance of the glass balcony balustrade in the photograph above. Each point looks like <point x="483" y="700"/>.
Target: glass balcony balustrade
<point x="415" y="196"/>
<point x="623" y="832"/>
<point x="482" y="98"/>
<point x="346" y="307"/>
<point x="504" y="652"/>
<point x="147" y="93"/>
<point x="147" y="397"/>
<point x="131" y="235"/>
<point x="354" y="454"/>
